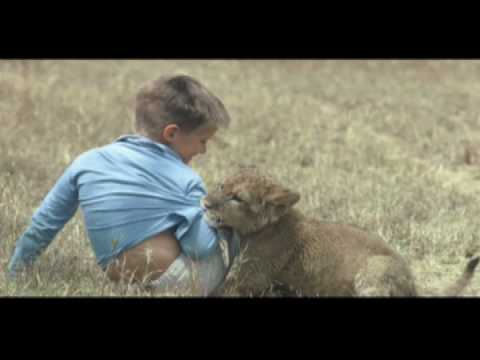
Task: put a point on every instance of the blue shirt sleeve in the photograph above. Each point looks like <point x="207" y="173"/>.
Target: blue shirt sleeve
<point x="56" y="210"/>
<point x="200" y="240"/>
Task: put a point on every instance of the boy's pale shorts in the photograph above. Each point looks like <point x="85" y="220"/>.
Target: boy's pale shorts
<point x="186" y="277"/>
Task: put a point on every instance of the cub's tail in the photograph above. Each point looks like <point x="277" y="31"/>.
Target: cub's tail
<point x="464" y="280"/>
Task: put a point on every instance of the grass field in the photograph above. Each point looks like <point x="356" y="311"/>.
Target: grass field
<point x="379" y="144"/>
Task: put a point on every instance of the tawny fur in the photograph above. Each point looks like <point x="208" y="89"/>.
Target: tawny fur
<point x="310" y="257"/>
<point x="471" y="154"/>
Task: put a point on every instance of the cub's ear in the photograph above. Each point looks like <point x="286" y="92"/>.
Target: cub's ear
<point x="280" y="196"/>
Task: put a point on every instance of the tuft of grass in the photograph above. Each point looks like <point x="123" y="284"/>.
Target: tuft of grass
<point x="380" y="144"/>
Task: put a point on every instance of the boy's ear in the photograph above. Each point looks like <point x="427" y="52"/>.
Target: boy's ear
<point x="170" y="131"/>
<point x="280" y="196"/>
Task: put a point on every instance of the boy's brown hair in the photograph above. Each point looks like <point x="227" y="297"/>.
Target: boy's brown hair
<point x="179" y="100"/>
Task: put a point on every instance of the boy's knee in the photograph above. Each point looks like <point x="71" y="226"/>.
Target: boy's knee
<point x="186" y="277"/>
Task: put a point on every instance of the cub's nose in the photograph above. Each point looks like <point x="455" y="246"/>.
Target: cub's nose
<point x="206" y="204"/>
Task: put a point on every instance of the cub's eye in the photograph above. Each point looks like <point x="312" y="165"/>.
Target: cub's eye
<point x="235" y="198"/>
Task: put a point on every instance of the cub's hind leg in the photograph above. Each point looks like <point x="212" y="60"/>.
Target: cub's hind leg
<point x="384" y="276"/>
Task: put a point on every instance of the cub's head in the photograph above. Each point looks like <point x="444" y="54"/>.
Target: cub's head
<point x="247" y="202"/>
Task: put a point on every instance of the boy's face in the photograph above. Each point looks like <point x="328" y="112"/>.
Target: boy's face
<point x="189" y="145"/>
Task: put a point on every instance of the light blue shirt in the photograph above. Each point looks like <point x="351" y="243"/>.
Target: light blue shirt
<point x="128" y="191"/>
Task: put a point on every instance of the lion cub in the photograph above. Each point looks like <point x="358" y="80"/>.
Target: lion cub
<point x="312" y="257"/>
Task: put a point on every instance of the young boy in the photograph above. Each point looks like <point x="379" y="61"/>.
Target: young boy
<point x="140" y="198"/>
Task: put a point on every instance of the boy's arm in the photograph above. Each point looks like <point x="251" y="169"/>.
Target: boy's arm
<point x="200" y="240"/>
<point x="56" y="210"/>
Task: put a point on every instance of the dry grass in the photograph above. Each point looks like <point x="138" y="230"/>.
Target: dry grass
<point x="380" y="144"/>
